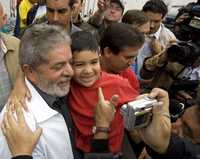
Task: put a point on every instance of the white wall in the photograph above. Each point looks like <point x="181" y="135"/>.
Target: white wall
<point x="90" y="5"/>
<point x="9" y="6"/>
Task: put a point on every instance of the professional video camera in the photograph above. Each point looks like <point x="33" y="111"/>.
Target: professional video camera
<point x="190" y="27"/>
<point x="184" y="53"/>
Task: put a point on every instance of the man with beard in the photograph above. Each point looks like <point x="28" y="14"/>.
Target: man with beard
<point x="45" y="61"/>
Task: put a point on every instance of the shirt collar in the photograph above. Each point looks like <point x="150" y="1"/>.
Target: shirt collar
<point x="157" y="34"/>
<point x="48" y="98"/>
<point x="38" y="106"/>
<point x="3" y="46"/>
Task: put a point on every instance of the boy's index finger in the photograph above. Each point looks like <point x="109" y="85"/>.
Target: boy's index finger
<point x="100" y="95"/>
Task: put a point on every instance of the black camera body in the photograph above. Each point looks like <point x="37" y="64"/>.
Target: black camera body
<point x="185" y="53"/>
<point x="190" y="27"/>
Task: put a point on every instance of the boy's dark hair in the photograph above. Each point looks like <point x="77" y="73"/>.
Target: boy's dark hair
<point x="119" y="36"/>
<point x="82" y="41"/>
<point x="155" y="6"/>
<point x="135" y="17"/>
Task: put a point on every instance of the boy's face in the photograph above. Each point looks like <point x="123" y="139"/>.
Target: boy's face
<point x="86" y="67"/>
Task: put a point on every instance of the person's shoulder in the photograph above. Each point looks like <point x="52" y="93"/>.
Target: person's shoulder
<point x="74" y="29"/>
<point x="10" y="41"/>
<point x="167" y="32"/>
<point x="9" y="37"/>
<point x="128" y="73"/>
<point x="114" y="79"/>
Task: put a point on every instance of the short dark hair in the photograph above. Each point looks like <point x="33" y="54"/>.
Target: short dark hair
<point x="82" y="41"/>
<point x="71" y="3"/>
<point x="119" y="36"/>
<point x="155" y="6"/>
<point x="135" y="17"/>
<point x="118" y="2"/>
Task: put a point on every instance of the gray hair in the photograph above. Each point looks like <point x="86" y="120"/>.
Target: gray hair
<point x="38" y="41"/>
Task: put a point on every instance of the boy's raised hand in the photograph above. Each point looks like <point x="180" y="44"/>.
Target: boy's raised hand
<point x="105" y="110"/>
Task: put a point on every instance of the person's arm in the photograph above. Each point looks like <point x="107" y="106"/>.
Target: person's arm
<point x="22" y="157"/>
<point x="177" y="149"/>
<point x="97" y="19"/>
<point x="152" y="65"/>
<point x="157" y="134"/>
<point x="104" y="114"/>
<point x="20" y="92"/>
<point x="20" y="139"/>
<point x="156" y="46"/>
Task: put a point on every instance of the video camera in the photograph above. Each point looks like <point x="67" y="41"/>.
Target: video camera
<point x="190" y="27"/>
<point x="184" y="53"/>
<point x="138" y="113"/>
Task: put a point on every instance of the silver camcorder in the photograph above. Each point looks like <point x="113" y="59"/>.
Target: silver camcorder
<point x="138" y="113"/>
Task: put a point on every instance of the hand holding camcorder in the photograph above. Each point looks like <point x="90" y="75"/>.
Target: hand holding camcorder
<point x="138" y="113"/>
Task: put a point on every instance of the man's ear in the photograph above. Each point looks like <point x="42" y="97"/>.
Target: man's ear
<point x="107" y="52"/>
<point x="29" y="72"/>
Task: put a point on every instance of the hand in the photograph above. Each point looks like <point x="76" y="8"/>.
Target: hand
<point x="157" y="133"/>
<point x="144" y="154"/>
<point x="156" y="46"/>
<point x="21" y="140"/>
<point x="102" y="5"/>
<point x="19" y="94"/>
<point x="105" y="110"/>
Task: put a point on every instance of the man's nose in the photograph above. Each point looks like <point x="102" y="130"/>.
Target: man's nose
<point x="88" y="68"/>
<point x="152" y="25"/>
<point x="55" y="16"/>
<point x="131" y="61"/>
<point x="68" y="70"/>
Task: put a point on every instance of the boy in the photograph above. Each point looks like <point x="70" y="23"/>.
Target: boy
<point x="83" y="97"/>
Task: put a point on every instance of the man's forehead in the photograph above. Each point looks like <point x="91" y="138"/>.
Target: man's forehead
<point x="153" y="15"/>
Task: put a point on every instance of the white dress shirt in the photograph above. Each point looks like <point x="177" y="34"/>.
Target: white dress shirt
<point x="54" y="142"/>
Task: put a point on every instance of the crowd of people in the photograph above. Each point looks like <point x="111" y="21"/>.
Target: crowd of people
<point x="64" y="80"/>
